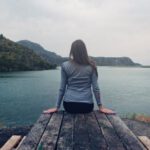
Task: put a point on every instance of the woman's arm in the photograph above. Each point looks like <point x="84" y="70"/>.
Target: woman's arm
<point x="96" y="89"/>
<point x="61" y="93"/>
<point x="62" y="88"/>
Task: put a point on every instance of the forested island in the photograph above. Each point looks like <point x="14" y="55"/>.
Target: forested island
<point x="26" y="55"/>
<point x="15" y="57"/>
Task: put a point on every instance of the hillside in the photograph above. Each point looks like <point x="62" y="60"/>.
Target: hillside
<point x="115" y="61"/>
<point x="51" y="57"/>
<point x="54" y="58"/>
<point x="14" y="57"/>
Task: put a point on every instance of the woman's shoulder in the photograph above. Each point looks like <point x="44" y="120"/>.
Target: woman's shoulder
<point x="68" y="62"/>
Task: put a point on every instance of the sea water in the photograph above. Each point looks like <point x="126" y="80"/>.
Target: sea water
<point x="24" y="95"/>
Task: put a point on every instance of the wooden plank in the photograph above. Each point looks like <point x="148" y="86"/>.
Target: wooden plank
<point x="81" y="139"/>
<point x="96" y="138"/>
<point x="20" y="142"/>
<point x="65" y="141"/>
<point x="145" y="140"/>
<point x="50" y="136"/>
<point x="34" y="136"/>
<point x="111" y="137"/>
<point x="125" y="134"/>
<point x="12" y="142"/>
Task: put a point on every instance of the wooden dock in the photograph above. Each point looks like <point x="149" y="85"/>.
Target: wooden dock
<point x="93" y="131"/>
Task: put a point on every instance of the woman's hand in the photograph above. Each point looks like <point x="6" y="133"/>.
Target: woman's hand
<point x="106" y="110"/>
<point x="51" y="110"/>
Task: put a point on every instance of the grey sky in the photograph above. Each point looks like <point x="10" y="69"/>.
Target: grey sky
<point x="108" y="27"/>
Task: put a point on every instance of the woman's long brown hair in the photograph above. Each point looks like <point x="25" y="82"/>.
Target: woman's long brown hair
<point x="80" y="56"/>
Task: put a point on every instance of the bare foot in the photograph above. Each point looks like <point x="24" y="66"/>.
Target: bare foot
<point x="106" y="110"/>
<point x="51" y="110"/>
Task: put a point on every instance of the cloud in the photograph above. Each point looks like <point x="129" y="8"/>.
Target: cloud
<point x="109" y="28"/>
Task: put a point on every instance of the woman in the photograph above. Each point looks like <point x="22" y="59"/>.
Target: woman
<point x="78" y="75"/>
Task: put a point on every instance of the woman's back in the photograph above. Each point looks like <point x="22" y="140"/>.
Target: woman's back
<point x="78" y="82"/>
<point x="79" y="76"/>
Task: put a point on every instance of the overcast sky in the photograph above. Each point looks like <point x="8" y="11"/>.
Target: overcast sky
<point x="108" y="27"/>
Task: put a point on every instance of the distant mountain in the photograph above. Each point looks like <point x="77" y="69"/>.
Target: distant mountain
<point x="114" y="61"/>
<point x="54" y="58"/>
<point x="14" y="57"/>
<point x="51" y="57"/>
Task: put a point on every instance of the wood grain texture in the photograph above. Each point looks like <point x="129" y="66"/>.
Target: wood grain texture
<point x="96" y="138"/>
<point x="50" y="136"/>
<point x="81" y="139"/>
<point x="65" y="141"/>
<point x="129" y="140"/>
<point x="111" y="137"/>
<point x="92" y="131"/>
<point x="34" y="136"/>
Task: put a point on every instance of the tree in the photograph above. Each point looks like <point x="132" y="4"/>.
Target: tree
<point x="1" y="36"/>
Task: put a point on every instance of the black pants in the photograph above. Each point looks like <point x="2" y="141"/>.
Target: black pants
<point x="74" y="107"/>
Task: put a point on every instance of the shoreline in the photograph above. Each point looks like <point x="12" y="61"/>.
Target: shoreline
<point x="12" y="71"/>
<point x="139" y="128"/>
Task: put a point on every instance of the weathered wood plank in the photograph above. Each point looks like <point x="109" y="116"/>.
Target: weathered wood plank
<point x="111" y="137"/>
<point x="126" y="135"/>
<point x="12" y="142"/>
<point x="20" y="142"/>
<point x="65" y="141"/>
<point x="96" y="138"/>
<point x="145" y="140"/>
<point x="50" y="136"/>
<point x="81" y="139"/>
<point x="93" y="131"/>
<point x="34" y="136"/>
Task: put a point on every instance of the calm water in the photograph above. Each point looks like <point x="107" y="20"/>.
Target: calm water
<point x="23" y="95"/>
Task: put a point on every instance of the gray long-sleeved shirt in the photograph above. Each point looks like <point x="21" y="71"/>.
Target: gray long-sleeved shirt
<point x="77" y="83"/>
